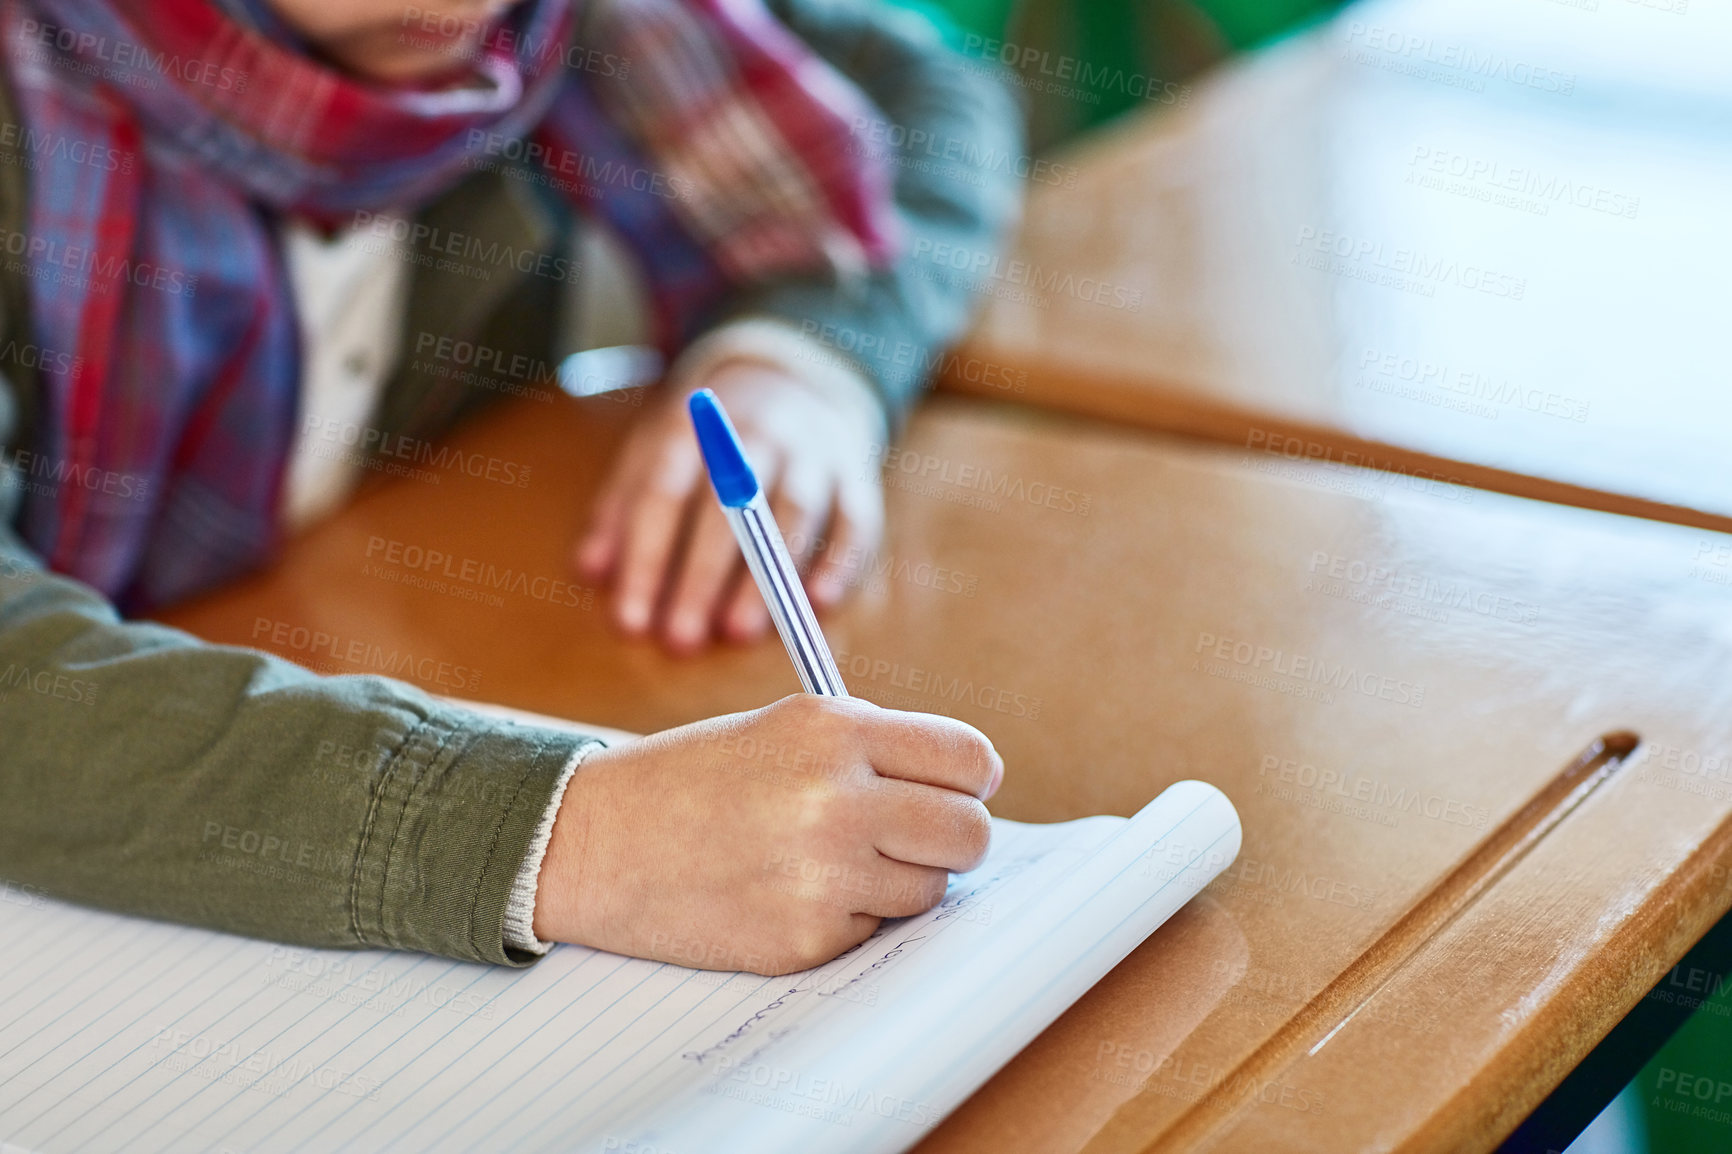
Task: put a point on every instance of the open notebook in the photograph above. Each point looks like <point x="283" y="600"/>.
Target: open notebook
<point x="123" y="1034"/>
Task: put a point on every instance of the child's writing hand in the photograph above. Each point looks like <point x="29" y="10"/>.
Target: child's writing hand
<point x="768" y="841"/>
<point x="813" y="453"/>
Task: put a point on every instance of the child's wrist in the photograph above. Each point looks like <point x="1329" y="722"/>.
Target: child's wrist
<point x="557" y="902"/>
<point x="526" y="891"/>
<point x="777" y="345"/>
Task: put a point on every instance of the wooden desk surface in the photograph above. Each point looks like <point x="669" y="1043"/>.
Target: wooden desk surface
<point x="1479" y="240"/>
<point x="1452" y="883"/>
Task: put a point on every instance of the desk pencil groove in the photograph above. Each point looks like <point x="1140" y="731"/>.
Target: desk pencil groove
<point x="1306" y="1033"/>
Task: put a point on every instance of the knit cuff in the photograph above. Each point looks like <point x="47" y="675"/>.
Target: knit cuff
<point x="779" y="344"/>
<point x="520" y="906"/>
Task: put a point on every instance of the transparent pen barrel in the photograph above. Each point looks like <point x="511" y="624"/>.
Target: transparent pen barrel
<point x="773" y="569"/>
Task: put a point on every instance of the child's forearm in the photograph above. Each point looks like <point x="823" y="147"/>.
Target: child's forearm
<point x="145" y="771"/>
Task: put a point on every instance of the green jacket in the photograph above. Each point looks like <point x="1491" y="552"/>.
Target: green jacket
<point x="145" y="771"/>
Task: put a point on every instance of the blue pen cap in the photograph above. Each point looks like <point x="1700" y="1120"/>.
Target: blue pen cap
<point x="730" y="472"/>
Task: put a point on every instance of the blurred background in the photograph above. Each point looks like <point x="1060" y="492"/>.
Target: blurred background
<point x="1138" y="52"/>
<point x="1662" y="1082"/>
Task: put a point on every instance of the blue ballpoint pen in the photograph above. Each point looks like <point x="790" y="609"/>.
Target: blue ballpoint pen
<point x="748" y="513"/>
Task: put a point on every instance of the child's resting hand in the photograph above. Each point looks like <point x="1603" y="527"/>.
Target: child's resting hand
<point x="813" y="452"/>
<point x="768" y="841"/>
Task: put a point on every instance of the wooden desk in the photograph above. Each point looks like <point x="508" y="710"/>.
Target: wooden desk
<point x="1409" y="691"/>
<point x="1399" y="237"/>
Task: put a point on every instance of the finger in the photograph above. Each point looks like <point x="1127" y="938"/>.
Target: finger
<point x="933" y="750"/>
<point x="854" y="536"/>
<point x="712" y="556"/>
<point x="656" y="518"/>
<point x="804" y="949"/>
<point x="801" y="503"/>
<point x="895" y="889"/>
<point x="924" y="826"/>
<point x="598" y="549"/>
<point x="746" y="617"/>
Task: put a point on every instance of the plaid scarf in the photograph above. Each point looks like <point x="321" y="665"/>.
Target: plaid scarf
<point x="170" y="134"/>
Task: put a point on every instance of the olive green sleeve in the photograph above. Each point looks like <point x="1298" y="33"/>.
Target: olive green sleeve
<point x="144" y="771"/>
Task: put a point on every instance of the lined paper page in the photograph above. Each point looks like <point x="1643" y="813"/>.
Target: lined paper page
<point x="968" y="1006"/>
<point x="123" y="1034"/>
